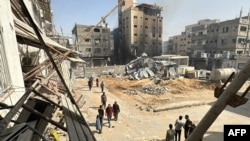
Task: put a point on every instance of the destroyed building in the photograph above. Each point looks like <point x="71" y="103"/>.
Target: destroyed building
<point x="145" y="67"/>
<point x="36" y="77"/>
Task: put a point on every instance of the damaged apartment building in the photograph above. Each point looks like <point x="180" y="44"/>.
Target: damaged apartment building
<point x="140" y="30"/>
<point x="36" y="96"/>
<point x="95" y="43"/>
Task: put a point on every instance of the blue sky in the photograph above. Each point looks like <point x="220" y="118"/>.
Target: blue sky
<point x="176" y="13"/>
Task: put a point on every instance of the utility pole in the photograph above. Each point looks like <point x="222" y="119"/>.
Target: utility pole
<point x="228" y="96"/>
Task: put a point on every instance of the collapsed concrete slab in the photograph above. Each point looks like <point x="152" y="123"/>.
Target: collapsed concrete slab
<point x="144" y="67"/>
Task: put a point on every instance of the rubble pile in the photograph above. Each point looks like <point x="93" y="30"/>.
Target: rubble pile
<point x="144" y="67"/>
<point x="131" y="92"/>
<point x="153" y="90"/>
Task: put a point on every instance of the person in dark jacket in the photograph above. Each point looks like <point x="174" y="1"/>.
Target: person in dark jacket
<point x="187" y="126"/>
<point x="101" y="115"/>
<point x="116" y="109"/>
<point x="97" y="82"/>
<point x="102" y="86"/>
<point x="104" y="99"/>
<point x="90" y="85"/>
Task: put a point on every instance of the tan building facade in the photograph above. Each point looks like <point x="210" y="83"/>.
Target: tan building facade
<point x="141" y="31"/>
<point x="230" y="36"/>
<point x="181" y="44"/>
<point x="96" y="47"/>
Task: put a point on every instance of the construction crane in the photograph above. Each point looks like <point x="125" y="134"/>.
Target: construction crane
<point x="101" y="21"/>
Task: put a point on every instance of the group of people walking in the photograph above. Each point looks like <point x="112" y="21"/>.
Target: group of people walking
<point x="174" y="134"/>
<point x="91" y="81"/>
<point x="110" y="110"/>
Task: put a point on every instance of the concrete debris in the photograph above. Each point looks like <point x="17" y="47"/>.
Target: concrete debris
<point x="144" y="67"/>
<point x="153" y="90"/>
<point x="131" y="92"/>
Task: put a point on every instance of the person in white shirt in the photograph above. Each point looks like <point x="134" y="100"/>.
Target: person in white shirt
<point x="178" y="126"/>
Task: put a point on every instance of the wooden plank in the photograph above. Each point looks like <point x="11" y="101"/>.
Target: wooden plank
<point x="85" y="129"/>
<point x="69" y="122"/>
<point x="75" y="115"/>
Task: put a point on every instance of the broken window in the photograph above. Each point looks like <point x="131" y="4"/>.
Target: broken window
<point x="97" y="41"/>
<point x="225" y="29"/>
<point x="96" y="30"/>
<point x="104" y="41"/>
<point x="239" y="52"/>
<point x="97" y="50"/>
<point x="243" y="28"/>
<point x="146" y="27"/>
<point x="135" y="26"/>
<point x="87" y="40"/>
<point x="241" y="40"/>
<point x="104" y="31"/>
<point x="146" y="19"/>
<point x="223" y="41"/>
<point x="135" y="17"/>
<point x="88" y="50"/>
<point x="135" y="34"/>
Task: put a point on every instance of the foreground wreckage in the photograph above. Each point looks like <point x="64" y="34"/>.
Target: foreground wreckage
<point x="144" y="67"/>
<point x="45" y="107"/>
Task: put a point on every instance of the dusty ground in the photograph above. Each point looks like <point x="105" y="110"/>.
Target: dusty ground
<point x="137" y="121"/>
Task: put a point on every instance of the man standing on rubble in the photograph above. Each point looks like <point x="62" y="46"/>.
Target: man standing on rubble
<point x="109" y="112"/>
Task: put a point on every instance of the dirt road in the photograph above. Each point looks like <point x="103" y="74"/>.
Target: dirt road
<point x="137" y="121"/>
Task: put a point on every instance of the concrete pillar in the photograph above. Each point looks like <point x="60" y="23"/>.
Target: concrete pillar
<point x="8" y="36"/>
